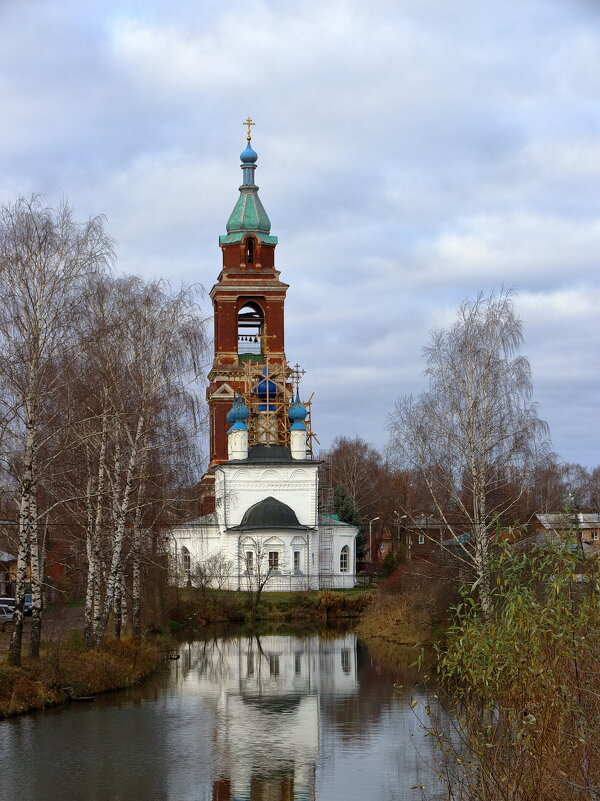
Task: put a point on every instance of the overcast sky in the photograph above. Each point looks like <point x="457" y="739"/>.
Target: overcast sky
<point x="411" y="153"/>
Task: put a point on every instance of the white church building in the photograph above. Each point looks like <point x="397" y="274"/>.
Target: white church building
<point x="262" y="524"/>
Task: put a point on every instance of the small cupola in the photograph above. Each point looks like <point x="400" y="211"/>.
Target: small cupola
<point x="237" y="436"/>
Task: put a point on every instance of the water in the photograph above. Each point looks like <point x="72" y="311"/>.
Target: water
<point x="274" y="718"/>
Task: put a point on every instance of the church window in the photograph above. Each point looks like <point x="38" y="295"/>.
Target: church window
<point x="186" y="562"/>
<point x="249" y="250"/>
<point x="297" y="663"/>
<point x="594" y="535"/>
<point x="345" y="660"/>
<point x="273" y="560"/>
<point x="296" y="561"/>
<point x="344" y="559"/>
<point x="250" y="663"/>
<point x="250" y="328"/>
<point x="421" y="539"/>
<point x="274" y="664"/>
<point x="250" y="561"/>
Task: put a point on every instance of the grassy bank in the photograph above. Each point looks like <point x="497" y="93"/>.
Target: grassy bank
<point x="410" y="608"/>
<point x="397" y="620"/>
<point x="65" y="670"/>
<point x="191" y="610"/>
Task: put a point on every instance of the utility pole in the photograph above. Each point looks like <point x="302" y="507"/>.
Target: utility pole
<point x="371" y="537"/>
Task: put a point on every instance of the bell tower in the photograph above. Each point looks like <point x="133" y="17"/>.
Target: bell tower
<point x="248" y="303"/>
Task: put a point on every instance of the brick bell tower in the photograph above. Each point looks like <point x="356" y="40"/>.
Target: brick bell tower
<point x="248" y="302"/>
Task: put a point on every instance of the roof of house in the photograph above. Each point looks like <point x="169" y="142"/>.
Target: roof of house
<point x="206" y="520"/>
<point x="562" y="522"/>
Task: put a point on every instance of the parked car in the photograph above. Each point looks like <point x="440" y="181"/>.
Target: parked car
<point x="6" y="617"/>
<point x="27" y="603"/>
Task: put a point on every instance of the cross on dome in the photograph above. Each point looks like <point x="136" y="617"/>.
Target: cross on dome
<point x="248" y="122"/>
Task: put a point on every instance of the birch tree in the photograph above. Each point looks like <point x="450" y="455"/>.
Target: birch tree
<point x="474" y="437"/>
<point x="147" y="363"/>
<point x="45" y="258"/>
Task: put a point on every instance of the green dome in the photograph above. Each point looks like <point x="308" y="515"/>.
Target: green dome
<point x="249" y="215"/>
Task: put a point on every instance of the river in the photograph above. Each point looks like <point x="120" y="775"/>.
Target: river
<point x="236" y="718"/>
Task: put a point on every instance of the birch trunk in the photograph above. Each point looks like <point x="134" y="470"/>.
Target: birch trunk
<point x="26" y="520"/>
<point x="117" y="605"/>
<point x="37" y="582"/>
<point x="136" y="580"/>
<point x="119" y="537"/>
<point x="93" y="539"/>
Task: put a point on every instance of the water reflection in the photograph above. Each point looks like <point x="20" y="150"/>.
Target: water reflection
<point x="264" y="693"/>
<point x="271" y="718"/>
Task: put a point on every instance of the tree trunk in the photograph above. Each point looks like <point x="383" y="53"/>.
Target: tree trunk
<point x="37" y="578"/>
<point x="119" y="537"/>
<point x="136" y="579"/>
<point x="27" y="509"/>
<point x="117" y="606"/>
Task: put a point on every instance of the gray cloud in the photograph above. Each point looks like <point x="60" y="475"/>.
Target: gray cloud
<point x="411" y="154"/>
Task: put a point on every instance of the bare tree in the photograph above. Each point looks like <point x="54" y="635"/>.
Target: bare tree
<point x="261" y="561"/>
<point x="357" y="466"/>
<point x="474" y="437"/>
<point x="45" y="261"/>
<point x="212" y="572"/>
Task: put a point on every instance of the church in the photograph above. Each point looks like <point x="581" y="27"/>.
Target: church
<point x="262" y="523"/>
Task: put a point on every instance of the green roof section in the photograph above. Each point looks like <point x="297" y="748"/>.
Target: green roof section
<point x="248" y="216"/>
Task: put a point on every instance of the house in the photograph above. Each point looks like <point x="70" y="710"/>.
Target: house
<point x="409" y="537"/>
<point x="582" y="527"/>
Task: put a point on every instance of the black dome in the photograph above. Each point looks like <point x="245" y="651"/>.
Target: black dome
<point x="269" y="513"/>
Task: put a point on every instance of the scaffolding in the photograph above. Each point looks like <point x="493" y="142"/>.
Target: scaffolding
<point x="268" y="393"/>
<point x="326" y="523"/>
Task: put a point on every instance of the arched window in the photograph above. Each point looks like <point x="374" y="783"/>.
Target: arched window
<point x="249" y="250"/>
<point x="345" y="559"/>
<point x="186" y="562"/>
<point x="250" y="326"/>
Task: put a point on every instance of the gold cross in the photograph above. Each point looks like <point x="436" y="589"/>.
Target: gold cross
<point x="296" y="374"/>
<point x="248" y="122"/>
<point x="264" y="337"/>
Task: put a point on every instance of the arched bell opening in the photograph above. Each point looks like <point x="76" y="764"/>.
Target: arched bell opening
<point x="251" y="320"/>
<point x="250" y="250"/>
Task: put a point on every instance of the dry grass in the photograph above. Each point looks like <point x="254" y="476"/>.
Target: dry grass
<point x="396" y="619"/>
<point x="64" y="664"/>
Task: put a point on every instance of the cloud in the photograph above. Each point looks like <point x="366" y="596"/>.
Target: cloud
<point x="410" y="155"/>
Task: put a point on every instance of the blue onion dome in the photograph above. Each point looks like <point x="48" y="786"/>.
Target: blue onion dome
<point x="297" y="412"/>
<point x="266" y="386"/>
<point x="238" y="412"/>
<point x="248" y="156"/>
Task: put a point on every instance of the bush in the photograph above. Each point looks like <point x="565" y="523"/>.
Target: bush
<point x="524" y="684"/>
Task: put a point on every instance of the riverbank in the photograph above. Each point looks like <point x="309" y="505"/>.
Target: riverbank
<point x="192" y="610"/>
<point x="65" y="671"/>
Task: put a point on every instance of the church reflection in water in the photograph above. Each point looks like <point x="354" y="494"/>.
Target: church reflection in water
<point x="265" y="695"/>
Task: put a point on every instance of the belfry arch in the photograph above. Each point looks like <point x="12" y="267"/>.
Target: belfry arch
<point x="250" y="324"/>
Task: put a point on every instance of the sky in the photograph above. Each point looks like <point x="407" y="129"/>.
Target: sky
<point x="412" y="153"/>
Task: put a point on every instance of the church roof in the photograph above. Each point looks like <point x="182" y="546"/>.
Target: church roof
<point x="268" y="454"/>
<point x="332" y="521"/>
<point x="269" y="514"/>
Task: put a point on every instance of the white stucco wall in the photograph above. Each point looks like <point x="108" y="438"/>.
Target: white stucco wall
<point x="237" y="488"/>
